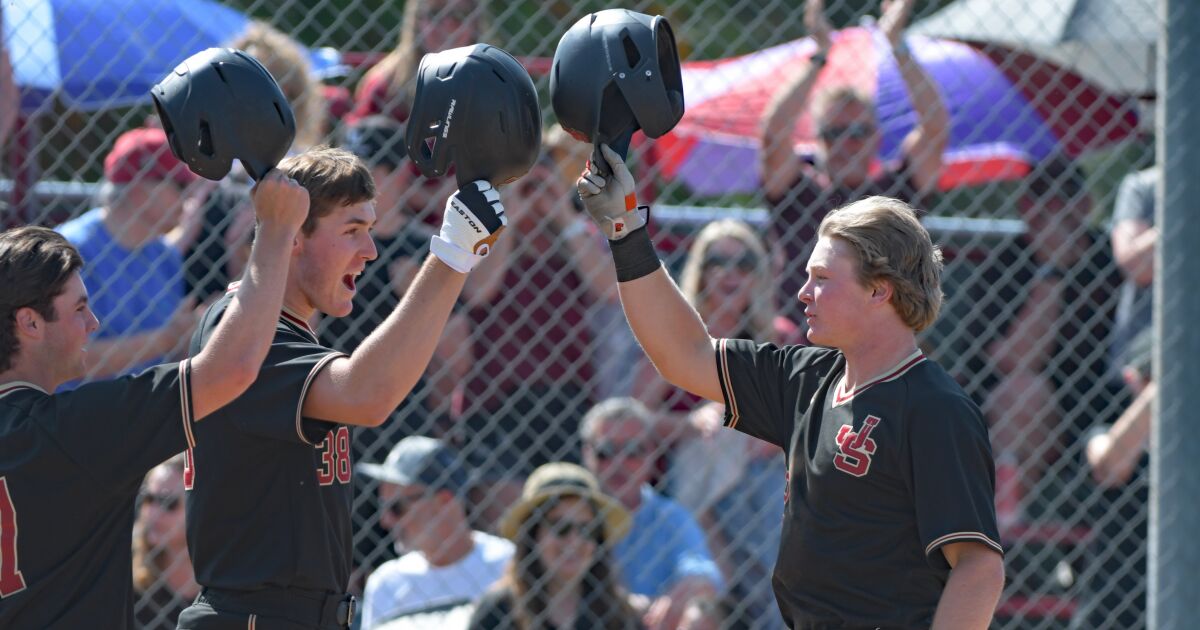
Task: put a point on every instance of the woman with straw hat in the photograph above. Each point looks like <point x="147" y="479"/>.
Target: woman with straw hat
<point x="561" y="575"/>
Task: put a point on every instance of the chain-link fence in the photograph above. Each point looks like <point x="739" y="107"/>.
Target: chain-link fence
<point x="1021" y="129"/>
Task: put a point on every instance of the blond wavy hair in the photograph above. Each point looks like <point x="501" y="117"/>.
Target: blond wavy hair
<point x="892" y="246"/>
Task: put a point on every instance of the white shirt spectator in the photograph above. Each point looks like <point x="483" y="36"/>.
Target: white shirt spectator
<point x="409" y="585"/>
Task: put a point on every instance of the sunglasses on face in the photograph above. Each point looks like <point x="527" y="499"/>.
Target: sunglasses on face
<point x="166" y="502"/>
<point x="613" y="450"/>
<point x="745" y="262"/>
<point x="853" y="131"/>
<point x="563" y="528"/>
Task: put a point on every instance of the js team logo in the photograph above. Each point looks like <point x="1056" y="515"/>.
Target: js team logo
<point x="856" y="448"/>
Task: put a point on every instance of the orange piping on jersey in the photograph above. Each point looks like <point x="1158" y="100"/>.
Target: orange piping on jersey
<point x="16" y="386"/>
<point x="963" y="537"/>
<point x="841" y="397"/>
<point x="734" y="416"/>
<point x="185" y="400"/>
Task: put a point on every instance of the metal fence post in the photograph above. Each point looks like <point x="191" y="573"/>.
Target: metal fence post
<point x="1175" y="484"/>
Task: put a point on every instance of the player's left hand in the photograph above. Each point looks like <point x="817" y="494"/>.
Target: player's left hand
<point x="473" y="219"/>
<point x="611" y="201"/>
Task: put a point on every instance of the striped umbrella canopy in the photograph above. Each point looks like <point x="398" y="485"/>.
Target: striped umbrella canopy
<point x="1008" y="109"/>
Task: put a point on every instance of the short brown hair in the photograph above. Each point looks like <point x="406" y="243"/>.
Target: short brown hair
<point x="35" y="265"/>
<point x="892" y="246"/>
<point x="333" y="177"/>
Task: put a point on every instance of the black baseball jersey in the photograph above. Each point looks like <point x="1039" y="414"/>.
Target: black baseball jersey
<point x="268" y="503"/>
<point x="71" y="465"/>
<point x="879" y="479"/>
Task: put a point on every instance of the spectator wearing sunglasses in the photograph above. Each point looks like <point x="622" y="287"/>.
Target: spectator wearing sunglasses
<point x="163" y="580"/>
<point x="446" y="566"/>
<point x="664" y="559"/>
<point x="561" y="575"/>
<point x="848" y="164"/>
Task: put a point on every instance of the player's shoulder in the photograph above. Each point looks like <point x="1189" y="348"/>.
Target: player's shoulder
<point x="19" y="406"/>
<point x="932" y="391"/>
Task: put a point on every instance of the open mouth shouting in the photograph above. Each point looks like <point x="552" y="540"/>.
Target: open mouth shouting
<point x="350" y="280"/>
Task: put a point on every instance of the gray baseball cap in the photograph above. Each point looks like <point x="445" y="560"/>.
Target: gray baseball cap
<point x="419" y="460"/>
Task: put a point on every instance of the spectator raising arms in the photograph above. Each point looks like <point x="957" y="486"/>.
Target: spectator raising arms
<point x="846" y="169"/>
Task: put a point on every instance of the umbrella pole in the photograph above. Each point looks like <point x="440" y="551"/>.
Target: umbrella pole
<point x="1173" y="589"/>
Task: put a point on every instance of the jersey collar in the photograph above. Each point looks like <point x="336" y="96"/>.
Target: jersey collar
<point x="841" y="396"/>
<point x="16" y="386"/>
<point x="288" y="315"/>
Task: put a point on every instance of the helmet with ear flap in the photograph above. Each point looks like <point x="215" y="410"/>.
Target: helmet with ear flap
<point x="640" y="85"/>
<point x="220" y="105"/>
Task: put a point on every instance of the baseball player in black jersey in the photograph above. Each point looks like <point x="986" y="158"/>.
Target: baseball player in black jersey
<point x="71" y="463"/>
<point x="889" y="519"/>
<point x="269" y="493"/>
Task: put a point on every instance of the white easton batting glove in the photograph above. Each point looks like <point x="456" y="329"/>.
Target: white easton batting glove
<point x="612" y="203"/>
<point x="473" y="220"/>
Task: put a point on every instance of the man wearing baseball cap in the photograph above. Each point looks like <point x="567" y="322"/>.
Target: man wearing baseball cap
<point x="134" y="276"/>
<point x="421" y="485"/>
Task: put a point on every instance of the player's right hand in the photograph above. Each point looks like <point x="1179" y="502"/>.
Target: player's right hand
<point x="473" y="219"/>
<point x="611" y="201"/>
<point x="280" y="201"/>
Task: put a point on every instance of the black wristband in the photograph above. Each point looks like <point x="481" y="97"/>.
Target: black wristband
<point x="634" y="255"/>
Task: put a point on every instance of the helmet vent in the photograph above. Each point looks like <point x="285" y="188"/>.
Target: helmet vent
<point x="499" y="76"/>
<point x="217" y="68"/>
<point x="631" y="51"/>
<point x="282" y="119"/>
<point x="444" y="72"/>
<point x="206" y="145"/>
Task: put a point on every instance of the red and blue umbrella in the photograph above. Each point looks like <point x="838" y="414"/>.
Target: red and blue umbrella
<point x="1008" y="110"/>
<point x="96" y="54"/>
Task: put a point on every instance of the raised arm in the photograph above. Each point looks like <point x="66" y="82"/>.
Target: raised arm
<point x="230" y="361"/>
<point x="665" y="324"/>
<point x="364" y="388"/>
<point x="924" y="145"/>
<point x="778" y="162"/>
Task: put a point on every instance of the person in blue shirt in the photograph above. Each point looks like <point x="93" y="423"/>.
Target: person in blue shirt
<point x="665" y="557"/>
<point x="134" y="276"/>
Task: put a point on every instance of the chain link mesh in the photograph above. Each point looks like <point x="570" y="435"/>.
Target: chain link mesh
<point x="1043" y="207"/>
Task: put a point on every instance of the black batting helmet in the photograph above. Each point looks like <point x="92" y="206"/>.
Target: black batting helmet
<point x="475" y="107"/>
<point x="219" y="105"/>
<point x="614" y="72"/>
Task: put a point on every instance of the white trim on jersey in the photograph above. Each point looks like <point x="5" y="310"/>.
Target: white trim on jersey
<point x="185" y="400"/>
<point x="941" y="541"/>
<point x="16" y="386"/>
<point x="312" y="374"/>
<point x="727" y="385"/>
<point x="841" y="396"/>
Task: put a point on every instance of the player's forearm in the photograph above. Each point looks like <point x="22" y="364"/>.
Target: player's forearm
<point x="971" y="594"/>
<point x="231" y="359"/>
<point x="671" y="333"/>
<point x="384" y="369"/>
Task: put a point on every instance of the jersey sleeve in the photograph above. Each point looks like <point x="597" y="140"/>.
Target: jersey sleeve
<point x="762" y="383"/>
<point x="953" y="478"/>
<point x="272" y="407"/>
<point x="119" y="429"/>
